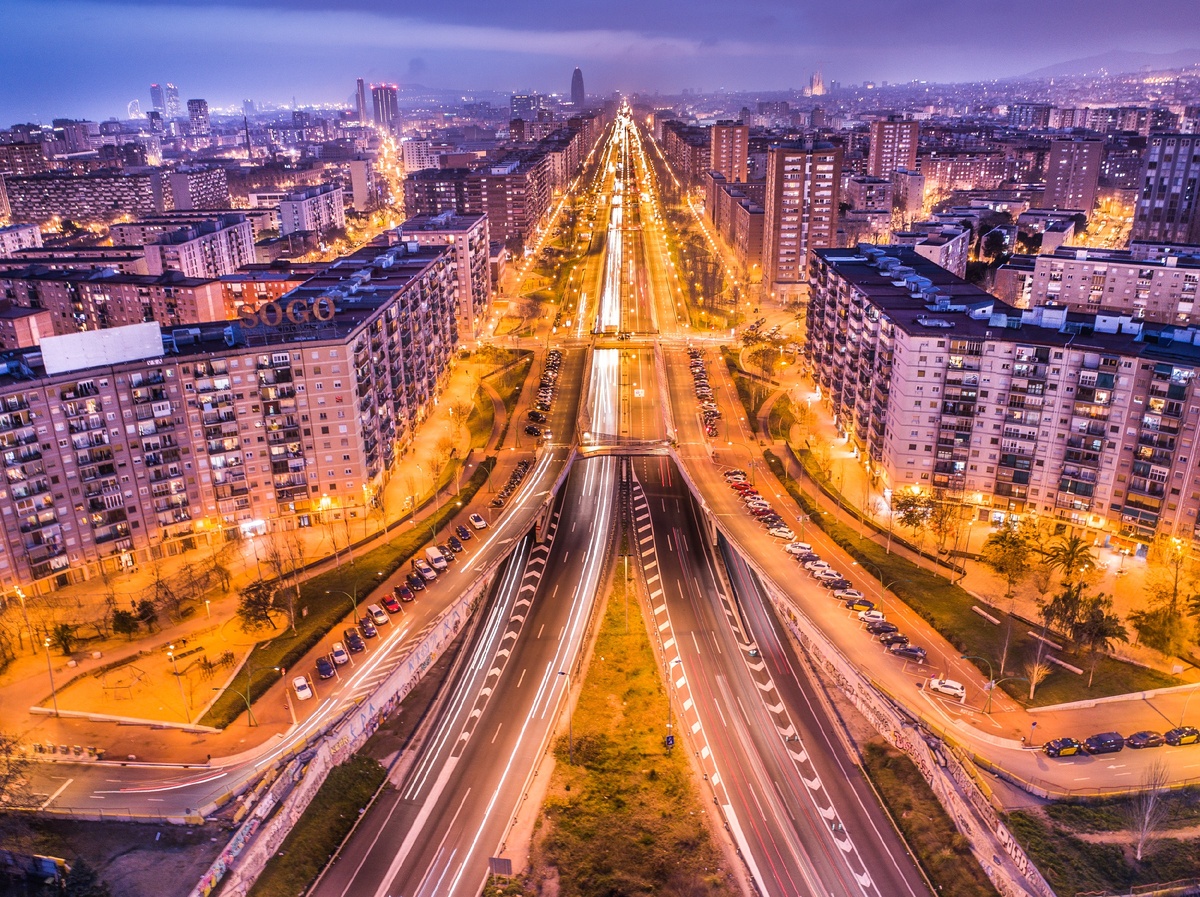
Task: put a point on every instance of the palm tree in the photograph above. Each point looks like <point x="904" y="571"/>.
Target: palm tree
<point x="1072" y="557"/>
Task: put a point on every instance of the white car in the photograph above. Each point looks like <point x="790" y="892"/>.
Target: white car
<point x="949" y="687"/>
<point x="816" y="566"/>
<point x="303" y="689"/>
<point x="477" y="521"/>
<point x="378" y="615"/>
<point x="848" y="594"/>
<point x="795" y="548"/>
<point x="828" y="575"/>
<point x="871" y="616"/>
<point x="338" y="654"/>
<point x="781" y="532"/>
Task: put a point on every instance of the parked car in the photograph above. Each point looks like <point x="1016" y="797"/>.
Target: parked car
<point x="367" y="628"/>
<point x="324" y="668"/>
<point x="949" y="687"/>
<point x="477" y="521"/>
<point x="1145" y="740"/>
<point x="780" y="532"/>
<point x="816" y="565"/>
<point x="887" y="639"/>
<point x="870" y="616"/>
<point x="414" y="582"/>
<point x="390" y="604"/>
<point x="797" y="548"/>
<point x="377" y="614"/>
<point x="1062" y="747"/>
<point x="848" y="594"/>
<point x="1104" y="743"/>
<point x="454" y="544"/>
<point x="463" y="533"/>
<point x="423" y="569"/>
<point x="303" y="689"/>
<point x="859" y="603"/>
<point x="354" y="642"/>
<point x="338" y="654"/>
<point x="908" y="652"/>
<point x="880" y="627"/>
<point x="1182" y="735"/>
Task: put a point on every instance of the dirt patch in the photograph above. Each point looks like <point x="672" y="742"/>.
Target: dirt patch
<point x="136" y="860"/>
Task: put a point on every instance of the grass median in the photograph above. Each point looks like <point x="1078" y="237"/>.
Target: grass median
<point x="626" y="817"/>
<point x="326" y="822"/>
<point x="326" y="611"/>
<point x="745" y="391"/>
<point x="948" y="609"/>
<point x="944" y="853"/>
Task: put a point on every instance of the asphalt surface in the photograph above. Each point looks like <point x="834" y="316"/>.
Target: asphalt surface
<point x="796" y="803"/>
<point x="450" y="810"/>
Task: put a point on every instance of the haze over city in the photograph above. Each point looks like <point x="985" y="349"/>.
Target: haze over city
<point x="98" y="55"/>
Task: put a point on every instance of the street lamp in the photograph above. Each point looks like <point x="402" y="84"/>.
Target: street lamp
<point x="993" y="682"/>
<point x="187" y="711"/>
<point x="50" y="670"/>
<point x="570" y="725"/>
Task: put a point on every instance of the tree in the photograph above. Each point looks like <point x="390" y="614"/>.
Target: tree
<point x="911" y="509"/>
<point x="1036" y="670"/>
<point x="1170" y="581"/>
<point x="946" y="517"/>
<point x="82" y="881"/>
<point x="459" y="412"/>
<point x="146" y="614"/>
<point x="1072" y="557"/>
<point x="255" y="604"/>
<point x="1007" y="553"/>
<point x="1147" y="809"/>
<point x="1095" y="628"/>
<point x="1063" y="610"/>
<point x="63" y="637"/>
<point x="14" y="786"/>
<point x="124" y="623"/>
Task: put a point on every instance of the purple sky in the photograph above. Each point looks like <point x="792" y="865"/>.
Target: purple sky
<point x="90" y="57"/>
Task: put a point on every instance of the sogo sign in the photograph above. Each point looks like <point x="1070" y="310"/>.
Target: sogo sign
<point x="297" y="311"/>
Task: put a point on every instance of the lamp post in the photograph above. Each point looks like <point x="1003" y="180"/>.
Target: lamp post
<point x="50" y="670"/>
<point x="287" y="694"/>
<point x="991" y="686"/>
<point x="187" y="711"/>
<point x="1191" y="695"/>
<point x="570" y="724"/>
<point x="25" y="614"/>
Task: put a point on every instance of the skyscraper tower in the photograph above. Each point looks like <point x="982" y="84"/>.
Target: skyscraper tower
<point x="578" y="97"/>
<point x="174" y="109"/>
<point x="386" y="101"/>
<point x="157" y="100"/>
<point x="361" y="95"/>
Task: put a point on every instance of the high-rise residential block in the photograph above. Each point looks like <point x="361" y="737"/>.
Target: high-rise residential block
<point x="360" y="101"/>
<point x="199" y="123"/>
<point x="469" y="236"/>
<point x="199" y="188"/>
<point x="317" y="209"/>
<point x="171" y="95"/>
<point x="1079" y="418"/>
<point x="1073" y="174"/>
<point x="893" y="146"/>
<point x="99" y="196"/>
<point x="363" y="191"/>
<point x="158" y="100"/>
<point x="730" y="147"/>
<point x="1168" y="205"/>
<point x="524" y="106"/>
<point x="23" y="159"/>
<point x="16" y="237"/>
<point x="204" y="250"/>
<point x="800" y="211"/>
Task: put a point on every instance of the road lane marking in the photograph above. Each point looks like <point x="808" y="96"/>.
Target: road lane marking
<point x="498" y="728"/>
<point x="522" y="679"/>
<point x="51" y="798"/>
<point x="540" y="631"/>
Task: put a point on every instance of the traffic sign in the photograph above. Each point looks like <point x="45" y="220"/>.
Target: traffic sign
<point x="669" y="741"/>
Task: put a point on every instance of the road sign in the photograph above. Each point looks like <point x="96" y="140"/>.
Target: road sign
<point x="669" y="741"/>
<point x="639" y="393"/>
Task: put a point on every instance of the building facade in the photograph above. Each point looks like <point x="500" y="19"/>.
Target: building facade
<point x="1168" y="205"/>
<point x="16" y="237"/>
<point x="729" y="144"/>
<point x="205" y="250"/>
<point x="893" y="146"/>
<point x="469" y="236"/>
<point x="317" y="209"/>
<point x="800" y="211"/>
<point x="98" y="196"/>
<point x="1073" y="174"/>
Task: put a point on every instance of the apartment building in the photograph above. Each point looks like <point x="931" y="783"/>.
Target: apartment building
<point x="1086" y="419"/>
<point x="946" y="245"/>
<point x="124" y="442"/>
<point x="893" y="146"/>
<point x="800" y="211"/>
<point x="205" y="250"/>
<point x="688" y="149"/>
<point x="729" y="144"/>
<point x="1168" y="206"/>
<point x="151" y="227"/>
<point x="1109" y="281"/>
<point x="469" y="236"/>
<point x="868" y="194"/>
<point x="946" y="172"/>
<point x="98" y="196"/>
<point x="16" y="237"/>
<point x="316" y="209"/>
<point x="1073" y="174"/>
<point x="123" y="259"/>
<point x="199" y="188"/>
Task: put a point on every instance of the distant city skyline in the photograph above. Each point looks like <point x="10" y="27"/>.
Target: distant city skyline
<point x="100" y="54"/>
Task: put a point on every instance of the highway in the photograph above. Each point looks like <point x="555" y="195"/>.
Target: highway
<point x="803" y="815"/>
<point x="449" y="812"/>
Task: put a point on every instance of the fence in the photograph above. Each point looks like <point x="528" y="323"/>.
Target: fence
<point x="260" y="836"/>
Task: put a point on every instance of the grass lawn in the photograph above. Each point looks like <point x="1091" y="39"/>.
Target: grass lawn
<point x="626" y="818"/>
<point x="481" y="419"/>
<point x="325" y="823"/>
<point x="782" y="418"/>
<point x="948" y="609"/>
<point x="745" y="389"/>
<point x="325" y="611"/>
<point x="509" y="384"/>
<point x="1073" y="865"/>
<point x="944" y="854"/>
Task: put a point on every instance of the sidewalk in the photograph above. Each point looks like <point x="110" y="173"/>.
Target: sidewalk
<point x="136" y="689"/>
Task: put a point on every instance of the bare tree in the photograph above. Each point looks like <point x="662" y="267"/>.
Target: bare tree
<point x="1036" y="670"/>
<point x="14" y="792"/>
<point x="1148" y="808"/>
<point x="459" y="412"/>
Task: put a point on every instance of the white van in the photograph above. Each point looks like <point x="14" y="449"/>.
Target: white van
<point x="436" y="558"/>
